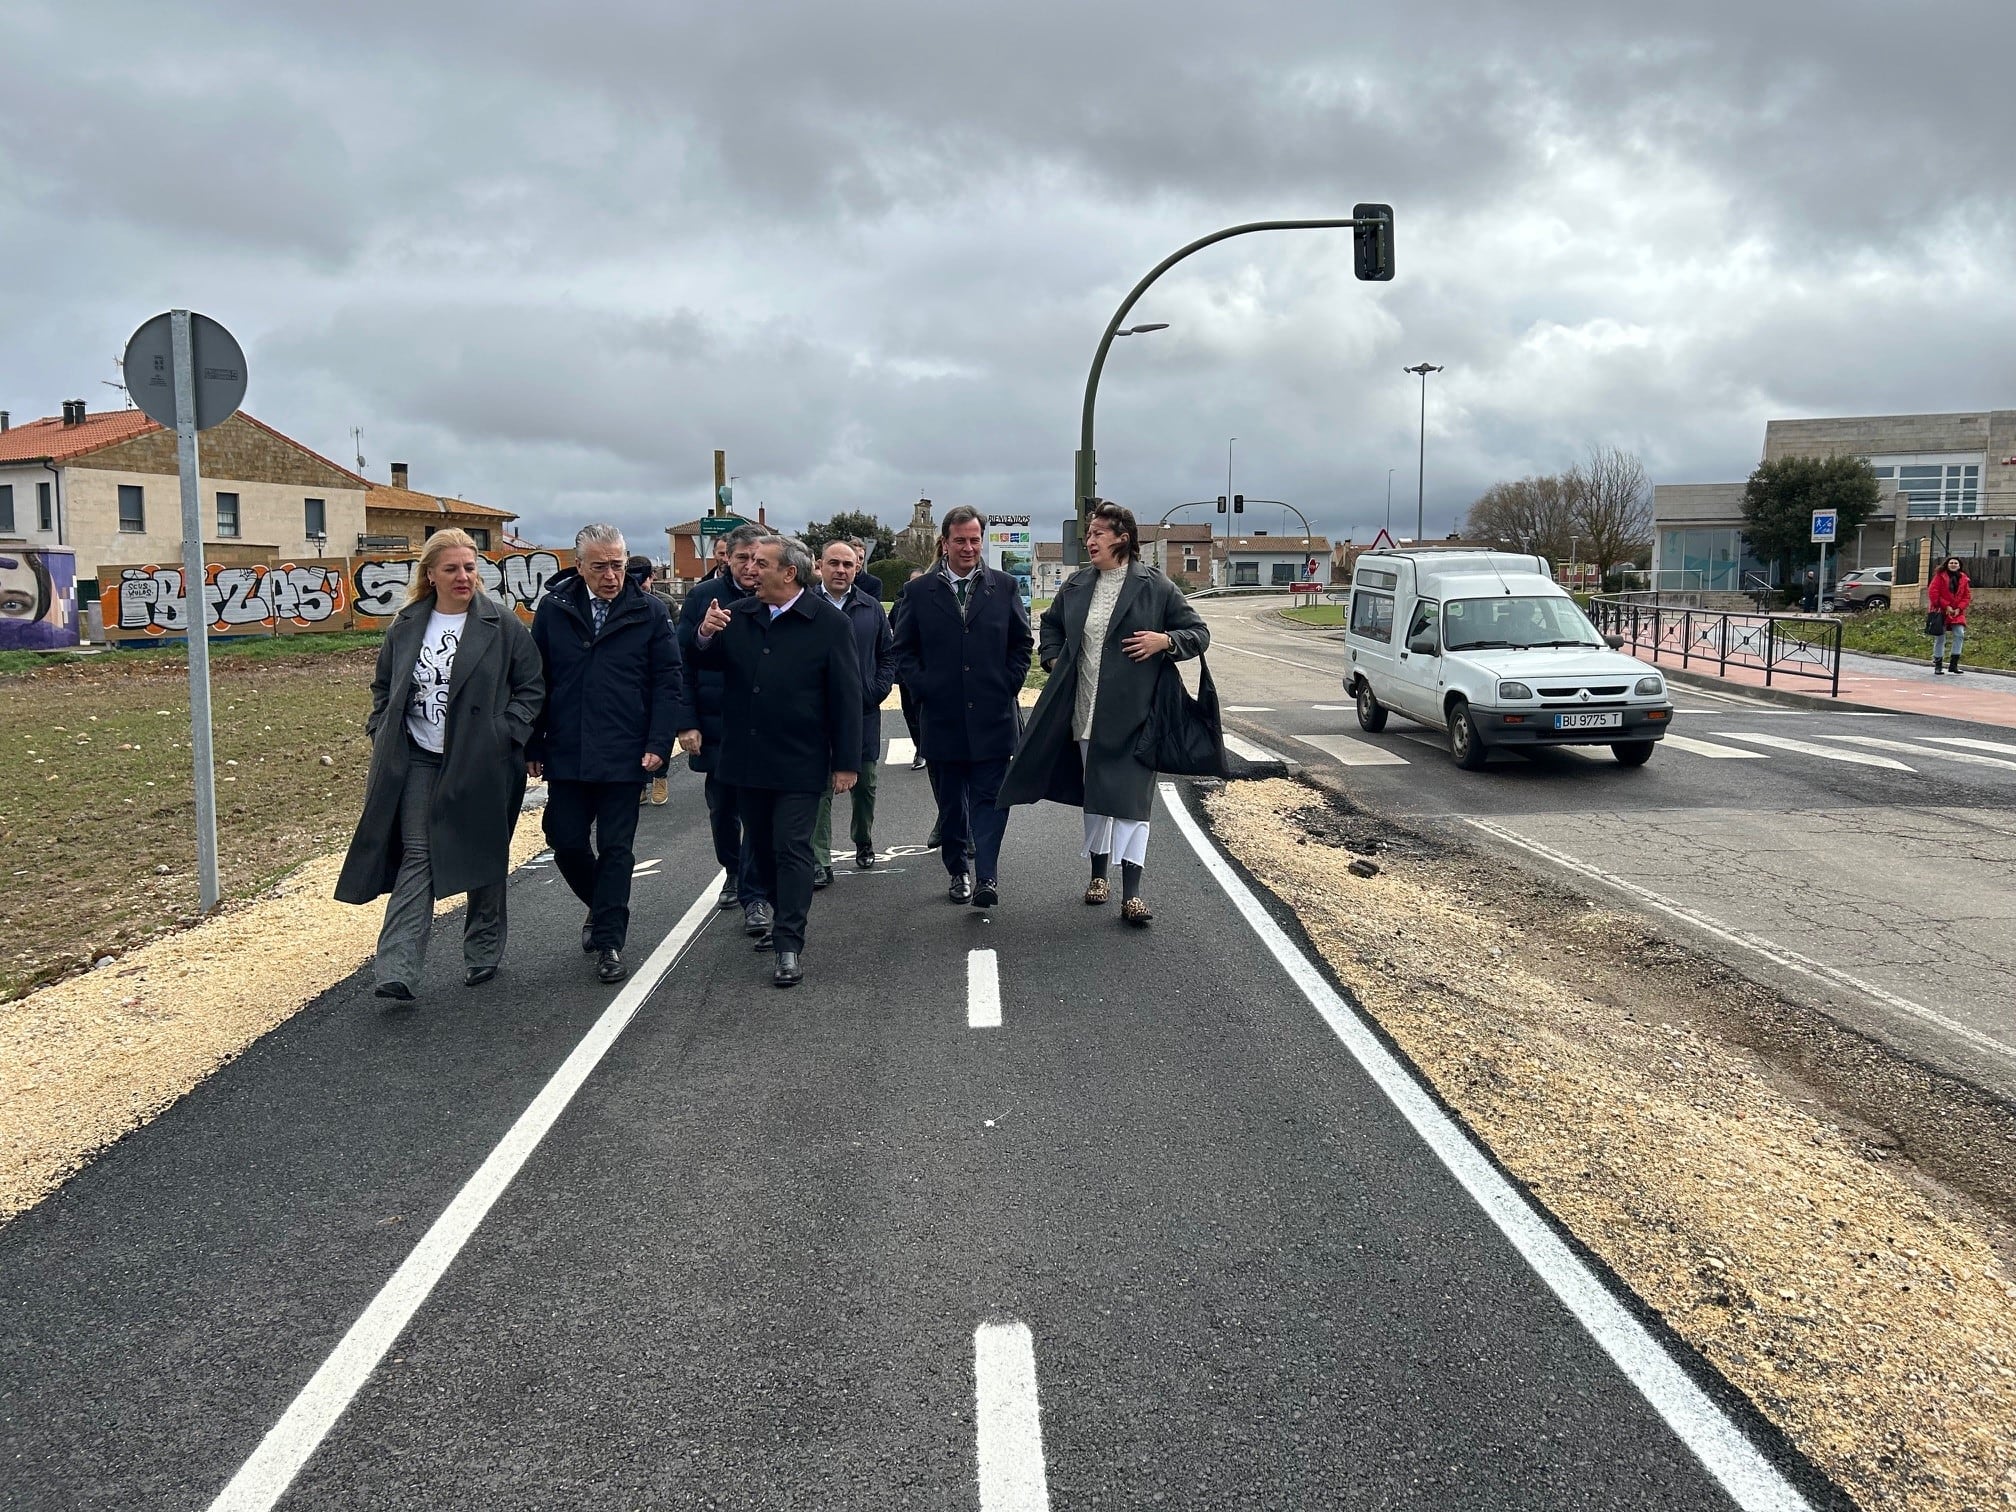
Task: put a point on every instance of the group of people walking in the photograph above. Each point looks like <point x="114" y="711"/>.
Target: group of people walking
<point x="771" y="683"/>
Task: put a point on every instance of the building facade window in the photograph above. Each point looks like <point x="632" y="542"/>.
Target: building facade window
<point x="227" y="516"/>
<point x="45" y="508"/>
<point x="1284" y="572"/>
<point x="1245" y="574"/>
<point x="1714" y="558"/>
<point x="481" y="538"/>
<point x="7" y="507"/>
<point x="315" y="518"/>
<point x="1934" y="485"/>
<point x="132" y="509"/>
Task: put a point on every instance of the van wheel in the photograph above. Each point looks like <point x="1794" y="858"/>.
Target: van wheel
<point x="1466" y="746"/>
<point x="1371" y="713"/>
<point x="1632" y="752"/>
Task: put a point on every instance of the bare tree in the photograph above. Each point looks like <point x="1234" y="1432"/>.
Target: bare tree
<point x="1613" y="507"/>
<point x="1531" y="514"/>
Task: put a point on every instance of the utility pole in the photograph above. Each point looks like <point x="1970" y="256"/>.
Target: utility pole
<point x="1421" y="467"/>
<point x="720" y="482"/>
<point x="1389" y="499"/>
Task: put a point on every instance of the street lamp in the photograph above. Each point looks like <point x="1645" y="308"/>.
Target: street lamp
<point x="1421" y="467"/>
<point x="1143" y="330"/>
<point x="1389" y="499"/>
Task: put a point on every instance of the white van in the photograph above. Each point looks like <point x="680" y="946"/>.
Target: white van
<point x="1487" y="646"/>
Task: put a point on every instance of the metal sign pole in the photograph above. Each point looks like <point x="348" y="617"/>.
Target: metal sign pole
<point x="198" y="609"/>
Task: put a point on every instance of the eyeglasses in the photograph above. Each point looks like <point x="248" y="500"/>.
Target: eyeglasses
<point x="602" y="567"/>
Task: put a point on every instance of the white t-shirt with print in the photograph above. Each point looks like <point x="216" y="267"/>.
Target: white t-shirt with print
<point x="427" y="705"/>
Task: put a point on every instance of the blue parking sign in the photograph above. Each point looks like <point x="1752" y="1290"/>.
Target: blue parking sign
<point x="1824" y="521"/>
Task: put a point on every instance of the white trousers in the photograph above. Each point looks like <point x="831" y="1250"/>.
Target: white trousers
<point x="1122" y="839"/>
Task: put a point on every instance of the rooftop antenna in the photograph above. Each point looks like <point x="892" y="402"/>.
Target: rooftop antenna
<point x="119" y="363"/>
<point x="357" y="442"/>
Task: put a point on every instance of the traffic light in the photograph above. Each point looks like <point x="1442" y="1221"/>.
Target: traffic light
<point x="1372" y="245"/>
<point x="1221" y="503"/>
<point x="1238" y="503"/>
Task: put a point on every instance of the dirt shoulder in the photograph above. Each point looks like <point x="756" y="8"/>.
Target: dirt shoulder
<point x="1768" y="1184"/>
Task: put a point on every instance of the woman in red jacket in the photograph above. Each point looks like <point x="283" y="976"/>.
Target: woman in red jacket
<point x="1949" y="592"/>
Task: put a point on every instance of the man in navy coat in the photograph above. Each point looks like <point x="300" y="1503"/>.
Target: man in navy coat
<point x="615" y="701"/>
<point x="875" y="654"/>
<point x="963" y="645"/>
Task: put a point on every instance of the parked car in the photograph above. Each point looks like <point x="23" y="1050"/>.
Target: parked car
<point x="1864" y="588"/>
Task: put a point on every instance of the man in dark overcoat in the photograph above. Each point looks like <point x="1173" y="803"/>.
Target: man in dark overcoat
<point x="615" y="702"/>
<point x="865" y="580"/>
<point x="963" y="644"/>
<point x="875" y="654"/>
<point x="703" y="691"/>
<point x="791" y="726"/>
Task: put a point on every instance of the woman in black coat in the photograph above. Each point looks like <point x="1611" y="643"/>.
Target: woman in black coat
<point x="1078" y="747"/>
<point x="454" y="699"/>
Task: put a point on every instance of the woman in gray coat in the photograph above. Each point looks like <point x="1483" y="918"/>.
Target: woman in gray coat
<point x="1104" y="640"/>
<point x="457" y="688"/>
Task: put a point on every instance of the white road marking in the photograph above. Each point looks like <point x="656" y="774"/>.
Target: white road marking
<point x="1333" y="708"/>
<point x="902" y="751"/>
<point x="1862" y="714"/>
<point x="1352" y="751"/>
<point x="1284" y="661"/>
<point x="1007" y="1420"/>
<point x="1714" y="752"/>
<point x="1778" y="955"/>
<point x="1973" y="745"/>
<point x="644" y="866"/>
<point x="1808" y="748"/>
<point x="1878" y="743"/>
<point x="1247" y="709"/>
<point x="264" y="1478"/>
<point x="983" y="990"/>
<point x="1749" y="1477"/>
<point x="1238" y="745"/>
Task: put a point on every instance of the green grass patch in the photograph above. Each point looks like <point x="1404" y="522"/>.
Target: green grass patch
<point x="1991" y="635"/>
<point x="1316" y="614"/>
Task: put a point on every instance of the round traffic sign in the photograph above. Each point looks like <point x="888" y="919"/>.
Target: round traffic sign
<point x="218" y="365"/>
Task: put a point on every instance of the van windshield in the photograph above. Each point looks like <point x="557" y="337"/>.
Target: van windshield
<point x="1540" y="620"/>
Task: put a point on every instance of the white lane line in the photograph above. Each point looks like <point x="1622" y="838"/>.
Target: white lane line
<point x="1007" y="1420"/>
<point x="983" y="990"/>
<point x="1876" y="742"/>
<point x="2002" y="746"/>
<point x="902" y="751"/>
<point x="1778" y="955"/>
<point x="1749" y="1477"/>
<point x="646" y="866"/>
<point x="1263" y="656"/>
<point x="1238" y="745"/>
<point x="1247" y="709"/>
<point x="1333" y="708"/>
<point x="1862" y="714"/>
<point x="264" y="1478"/>
<point x="1808" y="748"/>
<point x="1711" y="750"/>
<point x="1352" y="751"/>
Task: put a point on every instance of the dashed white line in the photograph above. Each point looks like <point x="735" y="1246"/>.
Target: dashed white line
<point x="1808" y="748"/>
<point x="902" y="751"/>
<point x="1751" y="1480"/>
<point x="2002" y="746"/>
<point x="1284" y="661"/>
<point x="983" y="990"/>
<point x="264" y="1478"/>
<point x="1968" y="758"/>
<point x="1709" y="749"/>
<point x="1007" y="1420"/>
<point x="1248" y="709"/>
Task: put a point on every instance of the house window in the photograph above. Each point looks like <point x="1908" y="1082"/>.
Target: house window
<point x="315" y="518"/>
<point x="1245" y="574"/>
<point x="43" y="506"/>
<point x="481" y="538"/>
<point x="132" y="509"/>
<point x="1934" y="487"/>
<point x="7" y="507"/>
<point x="1284" y="572"/>
<point x="227" y="516"/>
<point x="1189" y="564"/>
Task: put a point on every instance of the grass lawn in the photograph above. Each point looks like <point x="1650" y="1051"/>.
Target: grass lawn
<point x="100" y="817"/>
<point x="1991" y="635"/>
<point x="1316" y="614"/>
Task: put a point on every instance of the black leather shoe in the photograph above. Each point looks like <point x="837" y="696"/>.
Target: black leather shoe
<point x="864" y="858"/>
<point x="476" y="976"/>
<point x="961" y="890"/>
<point x="399" y="992"/>
<point x="917" y="764"/>
<point x="822" y="876"/>
<point x="609" y="966"/>
<point x="757" y="918"/>
<point x="986" y="895"/>
<point x="728" y="899"/>
<point x="768" y="942"/>
<point x="788" y="973"/>
<point x="588" y="936"/>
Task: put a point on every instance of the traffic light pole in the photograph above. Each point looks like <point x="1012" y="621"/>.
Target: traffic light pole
<point x="1086" y="468"/>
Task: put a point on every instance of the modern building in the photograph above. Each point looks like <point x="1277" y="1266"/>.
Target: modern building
<point x="1263" y="561"/>
<point x="1949" y="482"/>
<point x="1183" y="552"/>
<point x="400" y="518"/>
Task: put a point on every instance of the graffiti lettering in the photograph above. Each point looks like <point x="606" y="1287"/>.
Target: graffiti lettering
<point x="381" y="585"/>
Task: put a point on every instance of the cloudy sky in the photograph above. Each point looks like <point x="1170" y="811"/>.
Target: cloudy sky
<point x="552" y="256"/>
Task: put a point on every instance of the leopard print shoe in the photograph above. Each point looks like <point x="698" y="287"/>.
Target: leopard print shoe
<point x="1135" y="911"/>
<point x="1097" y="891"/>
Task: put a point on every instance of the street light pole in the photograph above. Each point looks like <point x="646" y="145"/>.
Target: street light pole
<point x="1389" y="499"/>
<point x="1421" y="467"/>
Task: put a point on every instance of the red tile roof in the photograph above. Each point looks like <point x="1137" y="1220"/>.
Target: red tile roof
<point x="52" y="439"/>
<point x="408" y="501"/>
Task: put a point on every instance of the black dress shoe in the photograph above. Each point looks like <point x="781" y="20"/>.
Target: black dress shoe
<point x="822" y="876"/>
<point x="864" y="858"/>
<point x="609" y="966"/>
<point x="727" y="899"/>
<point x="757" y="918"/>
<point x="476" y="976"/>
<point x="588" y="936"/>
<point x="986" y="895"/>
<point x="961" y="890"/>
<point x="768" y="942"/>
<point x="917" y="764"/>
<point x="399" y="992"/>
<point x="788" y="973"/>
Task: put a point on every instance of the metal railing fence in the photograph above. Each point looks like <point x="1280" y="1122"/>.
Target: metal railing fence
<point x="1805" y="646"/>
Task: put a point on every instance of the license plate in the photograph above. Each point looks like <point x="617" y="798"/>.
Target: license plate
<point x="1611" y="720"/>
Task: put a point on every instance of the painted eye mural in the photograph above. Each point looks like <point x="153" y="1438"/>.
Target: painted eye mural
<point x="38" y="601"/>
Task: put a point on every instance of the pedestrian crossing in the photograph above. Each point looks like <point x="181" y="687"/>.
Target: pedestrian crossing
<point x="1400" y="748"/>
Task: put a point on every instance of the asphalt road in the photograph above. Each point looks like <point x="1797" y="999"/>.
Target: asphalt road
<point x="1857" y="860"/>
<point x="1161" y="1237"/>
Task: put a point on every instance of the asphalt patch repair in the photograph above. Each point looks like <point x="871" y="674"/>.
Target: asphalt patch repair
<point x="1829" y="1226"/>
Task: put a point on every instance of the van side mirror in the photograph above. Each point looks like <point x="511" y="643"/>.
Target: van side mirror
<point x="1424" y="642"/>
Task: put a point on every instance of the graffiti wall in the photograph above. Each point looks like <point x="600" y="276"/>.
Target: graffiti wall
<point x="144" y="603"/>
<point x="38" y="598"/>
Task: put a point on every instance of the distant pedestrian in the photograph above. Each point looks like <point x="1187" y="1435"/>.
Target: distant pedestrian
<point x="907" y="696"/>
<point x="640" y="570"/>
<point x="615" y="703"/>
<point x="1105" y="638"/>
<point x="743" y="887"/>
<point x="865" y="580"/>
<point x="875" y="656"/>
<point x="791" y="726"/>
<point x="963" y="643"/>
<point x="1948" y="595"/>
<point x="454" y="699"/>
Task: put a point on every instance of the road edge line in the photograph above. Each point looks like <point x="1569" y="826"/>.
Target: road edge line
<point x="1725" y="1451"/>
<point x="288" y="1446"/>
